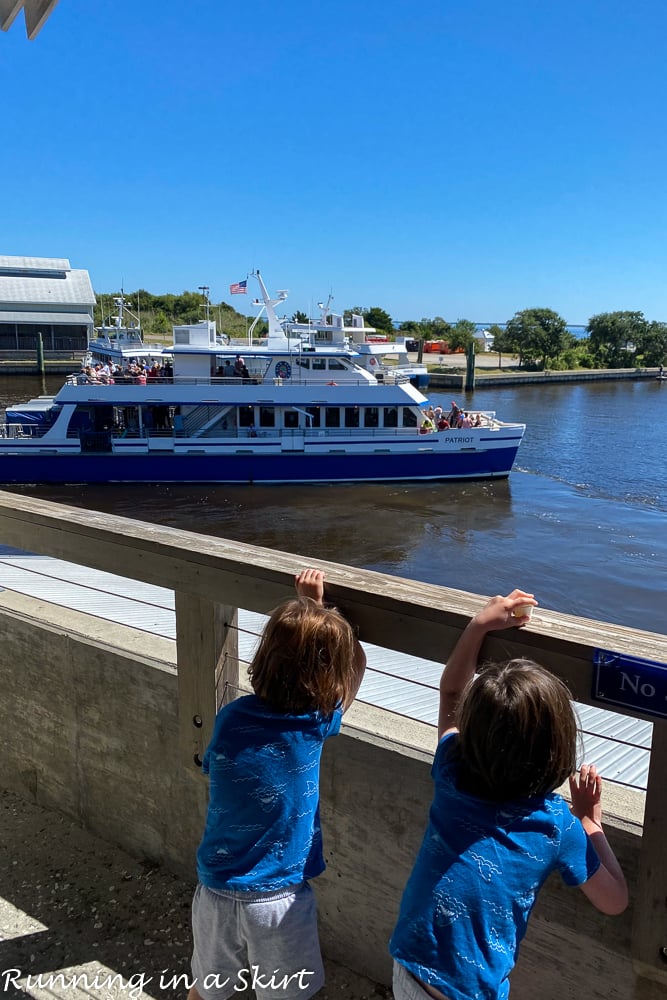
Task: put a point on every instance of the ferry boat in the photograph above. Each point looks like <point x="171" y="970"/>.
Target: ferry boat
<point x="120" y="341"/>
<point x="386" y="360"/>
<point x="280" y="412"/>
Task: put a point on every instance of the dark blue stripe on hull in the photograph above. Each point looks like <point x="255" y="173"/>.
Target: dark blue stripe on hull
<point x="168" y="468"/>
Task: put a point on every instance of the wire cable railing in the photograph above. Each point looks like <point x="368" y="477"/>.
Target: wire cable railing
<point x="404" y="686"/>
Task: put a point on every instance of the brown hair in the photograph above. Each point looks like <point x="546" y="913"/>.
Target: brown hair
<point x="305" y="659"/>
<point x="517" y="732"/>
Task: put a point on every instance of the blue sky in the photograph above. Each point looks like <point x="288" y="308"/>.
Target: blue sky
<point x="463" y="158"/>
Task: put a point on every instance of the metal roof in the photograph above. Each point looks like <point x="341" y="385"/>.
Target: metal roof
<point x="43" y="281"/>
<point x="34" y="263"/>
<point x="57" y="318"/>
<point x="406" y="685"/>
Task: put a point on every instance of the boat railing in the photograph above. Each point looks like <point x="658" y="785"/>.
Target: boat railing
<point x="387" y="373"/>
<point x="22" y="430"/>
<point x="264" y="433"/>
<point x="217" y="380"/>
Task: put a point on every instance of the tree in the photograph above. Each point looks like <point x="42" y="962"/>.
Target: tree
<point x="436" y="328"/>
<point x="653" y="344"/>
<point x="538" y="334"/>
<point x="188" y="307"/>
<point x="411" y="328"/>
<point x="461" y="334"/>
<point x="616" y="336"/>
<point x="300" y="317"/>
<point x="380" y="319"/>
<point x="160" y="324"/>
<point x="499" y="341"/>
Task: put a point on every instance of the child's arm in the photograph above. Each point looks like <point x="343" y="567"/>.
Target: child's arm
<point x="310" y="583"/>
<point x="607" y="889"/>
<point x="462" y="662"/>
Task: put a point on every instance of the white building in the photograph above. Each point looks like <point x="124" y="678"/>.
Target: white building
<point x="44" y="295"/>
<point x="484" y="340"/>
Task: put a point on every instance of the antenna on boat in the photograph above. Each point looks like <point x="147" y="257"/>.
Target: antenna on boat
<point x="324" y="307"/>
<point x="267" y="304"/>
<point x="205" y="289"/>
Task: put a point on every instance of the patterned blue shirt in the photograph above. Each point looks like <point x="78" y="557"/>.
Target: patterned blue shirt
<point x="480" y="867"/>
<point x="263" y="822"/>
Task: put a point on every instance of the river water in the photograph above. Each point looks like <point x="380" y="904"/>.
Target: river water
<point x="581" y="522"/>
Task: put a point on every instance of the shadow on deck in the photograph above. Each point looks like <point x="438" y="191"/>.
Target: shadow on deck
<point x="73" y="904"/>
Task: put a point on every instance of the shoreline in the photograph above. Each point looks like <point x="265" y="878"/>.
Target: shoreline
<point x="456" y="380"/>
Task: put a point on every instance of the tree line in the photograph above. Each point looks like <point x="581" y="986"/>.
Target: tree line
<point x="158" y="313"/>
<point x="539" y="337"/>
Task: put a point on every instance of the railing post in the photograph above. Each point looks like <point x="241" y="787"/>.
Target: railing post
<point x="649" y="933"/>
<point x="207" y="659"/>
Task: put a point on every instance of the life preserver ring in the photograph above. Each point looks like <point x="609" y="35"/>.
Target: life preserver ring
<point x="332" y="383"/>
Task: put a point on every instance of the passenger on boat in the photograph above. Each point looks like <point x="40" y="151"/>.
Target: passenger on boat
<point x="239" y="365"/>
<point x="427" y="425"/>
<point x="478" y="420"/>
<point x="228" y="369"/>
<point x="443" y="423"/>
<point x="453" y="415"/>
<point x="465" y="420"/>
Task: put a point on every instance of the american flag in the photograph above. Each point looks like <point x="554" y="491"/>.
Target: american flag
<point x="239" y="288"/>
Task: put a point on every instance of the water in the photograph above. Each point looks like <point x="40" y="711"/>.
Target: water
<point x="581" y="522"/>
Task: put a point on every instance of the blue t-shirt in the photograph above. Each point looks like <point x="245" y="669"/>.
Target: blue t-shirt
<point x="478" y="872"/>
<point x="263" y="822"/>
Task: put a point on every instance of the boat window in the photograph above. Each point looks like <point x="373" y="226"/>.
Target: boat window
<point x="409" y="417"/>
<point x="351" y="416"/>
<point x="291" y="418"/>
<point x="332" y="416"/>
<point x="336" y="365"/>
<point x="303" y="362"/>
<point x="246" y="416"/>
<point x="267" y="416"/>
<point x="318" y="364"/>
<point x="314" y="411"/>
<point x="371" y="416"/>
<point x="391" y="416"/>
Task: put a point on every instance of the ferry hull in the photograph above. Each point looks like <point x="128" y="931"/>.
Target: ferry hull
<point x="255" y="468"/>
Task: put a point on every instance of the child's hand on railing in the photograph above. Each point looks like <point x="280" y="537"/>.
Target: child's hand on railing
<point x="310" y="583"/>
<point x="586" y="792"/>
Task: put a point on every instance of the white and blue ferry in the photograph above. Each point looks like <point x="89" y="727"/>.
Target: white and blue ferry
<point x="281" y="412"/>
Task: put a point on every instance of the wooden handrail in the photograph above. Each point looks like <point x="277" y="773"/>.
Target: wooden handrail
<point x="213" y="577"/>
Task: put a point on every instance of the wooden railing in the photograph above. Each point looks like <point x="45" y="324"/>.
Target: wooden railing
<point x="213" y="577"/>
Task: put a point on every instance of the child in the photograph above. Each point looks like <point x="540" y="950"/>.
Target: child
<point x="254" y="915"/>
<point x="496" y="827"/>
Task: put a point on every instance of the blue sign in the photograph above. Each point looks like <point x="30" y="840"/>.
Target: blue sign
<point x="630" y="681"/>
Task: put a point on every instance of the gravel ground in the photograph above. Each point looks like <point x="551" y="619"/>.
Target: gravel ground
<point x="73" y="904"/>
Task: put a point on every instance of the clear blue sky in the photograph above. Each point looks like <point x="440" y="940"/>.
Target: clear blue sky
<point x="462" y="158"/>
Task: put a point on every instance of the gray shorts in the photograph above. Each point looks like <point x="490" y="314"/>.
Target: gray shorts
<point x="264" y="941"/>
<point x="406" y="987"/>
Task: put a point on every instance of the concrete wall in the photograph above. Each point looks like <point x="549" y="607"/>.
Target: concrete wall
<point x="89" y="724"/>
